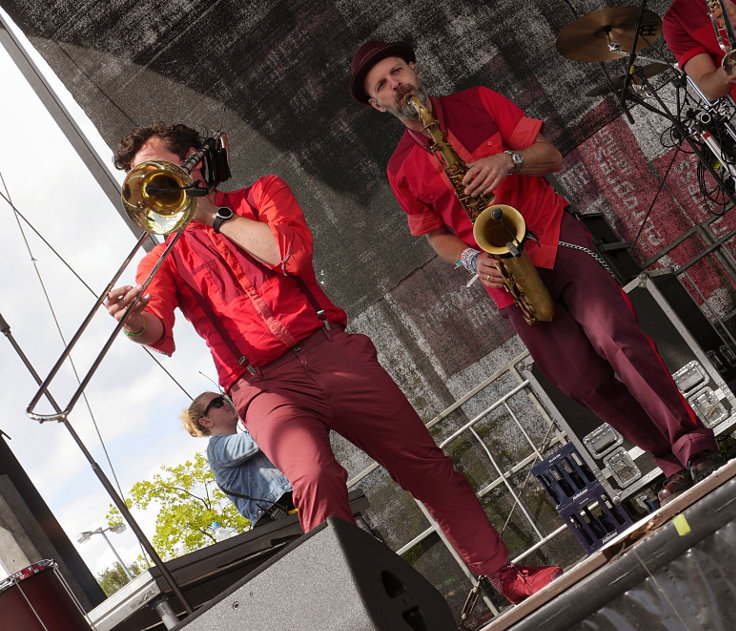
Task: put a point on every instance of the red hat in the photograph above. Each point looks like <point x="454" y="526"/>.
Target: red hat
<point x="367" y="56"/>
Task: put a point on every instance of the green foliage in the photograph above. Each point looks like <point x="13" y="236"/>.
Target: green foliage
<point x="188" y="501"/>
<point x="113" y="578"/>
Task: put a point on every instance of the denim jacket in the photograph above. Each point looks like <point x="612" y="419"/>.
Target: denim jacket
<point x="240" y="466"/>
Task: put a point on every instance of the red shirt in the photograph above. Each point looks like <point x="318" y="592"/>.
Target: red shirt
<point x="478" y="122"/>
<point x="262" y="308"/>
<point x="688" y="31"/>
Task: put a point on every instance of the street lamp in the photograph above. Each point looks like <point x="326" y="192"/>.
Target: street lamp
<point x="117" y="528"/>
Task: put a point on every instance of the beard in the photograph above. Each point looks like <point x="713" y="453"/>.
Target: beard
<point x="400" y="108"/>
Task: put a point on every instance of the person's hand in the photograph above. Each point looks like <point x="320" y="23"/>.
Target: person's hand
<point x="485" y="175"/>
<point x="119" y="299"/>
<point x="488" y="271"/>
<point x="205" y="210"/>
<point x="730" y="12"/>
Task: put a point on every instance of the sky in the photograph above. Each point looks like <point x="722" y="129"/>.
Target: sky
<point x="134" y="403"/>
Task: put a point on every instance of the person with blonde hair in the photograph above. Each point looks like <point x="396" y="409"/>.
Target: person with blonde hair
<point x="251" y="481"/>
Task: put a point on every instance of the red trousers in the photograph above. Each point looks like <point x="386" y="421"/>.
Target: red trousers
<point x="595" y="352"/>
<point x="333" y="381"/>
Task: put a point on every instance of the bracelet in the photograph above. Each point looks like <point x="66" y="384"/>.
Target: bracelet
<point x="138" y="333"/>
<point x="468" y="259"/>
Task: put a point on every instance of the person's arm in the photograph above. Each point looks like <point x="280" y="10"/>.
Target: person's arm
<point x="711" y="79"/>
<point x="450" y="247"/>
<point x="141" y="326"/>
<point x="152" y="321"/>
<point x="280" y="237"/>
<point x="232" y="450"/>
<point x="255" y="237"/>
<point x="484" y="175"/>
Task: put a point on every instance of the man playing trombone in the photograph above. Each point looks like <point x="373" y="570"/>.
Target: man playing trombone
<point x="242" y="274"/>
<point x="692" y="29"/>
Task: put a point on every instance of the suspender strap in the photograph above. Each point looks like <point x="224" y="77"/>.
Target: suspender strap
<point x="313" y="301"/>
<point x="216" y="321"/>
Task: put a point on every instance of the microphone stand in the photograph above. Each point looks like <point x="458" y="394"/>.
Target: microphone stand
<point x="161" y="606"/>
<point x="632" y="57"/>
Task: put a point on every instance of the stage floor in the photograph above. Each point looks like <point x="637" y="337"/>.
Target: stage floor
<point x="674" y="570"/>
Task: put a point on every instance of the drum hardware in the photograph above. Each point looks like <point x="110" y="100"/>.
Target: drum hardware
<point x="611" y="34"/>
<point x="617" y="82"/>
<point x="608" y="34"/>
<point x="615" y="33"/>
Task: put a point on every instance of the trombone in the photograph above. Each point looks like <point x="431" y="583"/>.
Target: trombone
<point x="728" y="63"/>
<point x="160" y="198"/>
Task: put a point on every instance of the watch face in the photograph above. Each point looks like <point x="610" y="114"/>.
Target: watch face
<point x="224" y="213"/>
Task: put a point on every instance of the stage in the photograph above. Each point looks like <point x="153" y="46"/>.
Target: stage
<point x="673" y="570"/>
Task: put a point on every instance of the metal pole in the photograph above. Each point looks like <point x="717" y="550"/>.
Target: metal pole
<point x="104" y="480"/>
<point x="115" y="552"/>
<point x="67" y="124"/>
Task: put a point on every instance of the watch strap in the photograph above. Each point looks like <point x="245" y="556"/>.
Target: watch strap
<point x="518" y="160"/>
<point x="222" y="218"/>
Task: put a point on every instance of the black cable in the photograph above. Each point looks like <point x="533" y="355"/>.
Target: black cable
<point x="651" y="206"/>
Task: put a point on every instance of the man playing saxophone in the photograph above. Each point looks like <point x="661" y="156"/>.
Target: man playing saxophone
<point x="692" y="36"/>
<point x="593" y="348"/>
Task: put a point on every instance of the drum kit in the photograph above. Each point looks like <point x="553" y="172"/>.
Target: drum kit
<point x="620" y="33"/>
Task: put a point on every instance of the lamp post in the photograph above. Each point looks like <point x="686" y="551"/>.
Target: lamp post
<point x="117" y="528"/>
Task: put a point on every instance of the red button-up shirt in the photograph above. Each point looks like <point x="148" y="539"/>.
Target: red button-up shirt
<point x="262" y="308"/>
<point x="478" y="122"/>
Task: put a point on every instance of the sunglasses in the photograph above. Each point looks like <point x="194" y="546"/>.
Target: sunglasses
<point x="217" y="402"/>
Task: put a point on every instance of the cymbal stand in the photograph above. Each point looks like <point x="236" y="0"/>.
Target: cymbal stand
<point x="697" y="126"/>
<point x="632" y="57"/>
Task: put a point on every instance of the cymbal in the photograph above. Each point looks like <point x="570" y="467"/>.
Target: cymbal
<point x="618" y="81"/>
<point x="587" y="38"/>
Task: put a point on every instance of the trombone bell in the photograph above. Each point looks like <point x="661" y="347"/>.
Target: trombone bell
<point x="154" y="196"/>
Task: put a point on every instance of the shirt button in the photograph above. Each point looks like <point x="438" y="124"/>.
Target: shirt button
<point x="296" y="348"/>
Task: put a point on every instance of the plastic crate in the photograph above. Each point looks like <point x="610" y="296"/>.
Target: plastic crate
<point x="564" y="475"/>
<point x="594" y="519"/>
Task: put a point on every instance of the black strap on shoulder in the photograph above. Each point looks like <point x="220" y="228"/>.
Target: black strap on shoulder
<point x="186" y="275"/>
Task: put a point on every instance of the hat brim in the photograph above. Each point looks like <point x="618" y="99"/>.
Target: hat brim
<point x="397" y="49"/>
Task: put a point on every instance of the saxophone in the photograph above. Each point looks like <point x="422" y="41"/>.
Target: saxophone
<point x="498" y="229"/>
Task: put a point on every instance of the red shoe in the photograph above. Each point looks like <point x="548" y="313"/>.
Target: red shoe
<point x="517" y="582"/>
<point x="673" y="486"/>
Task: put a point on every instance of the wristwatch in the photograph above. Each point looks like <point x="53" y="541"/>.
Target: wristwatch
<point x="518" y="161"/>
<point x="223" y="214"/>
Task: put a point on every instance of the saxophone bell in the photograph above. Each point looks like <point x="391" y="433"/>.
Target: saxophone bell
<point x="501" y="231"/>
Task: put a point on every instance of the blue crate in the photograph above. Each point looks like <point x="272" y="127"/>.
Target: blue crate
<point x="564" y="475"/>
<point x="594" y="519"/>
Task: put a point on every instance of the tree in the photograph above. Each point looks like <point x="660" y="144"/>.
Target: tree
<point x="189" y="501"/>
<point x="113" y="578"/>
